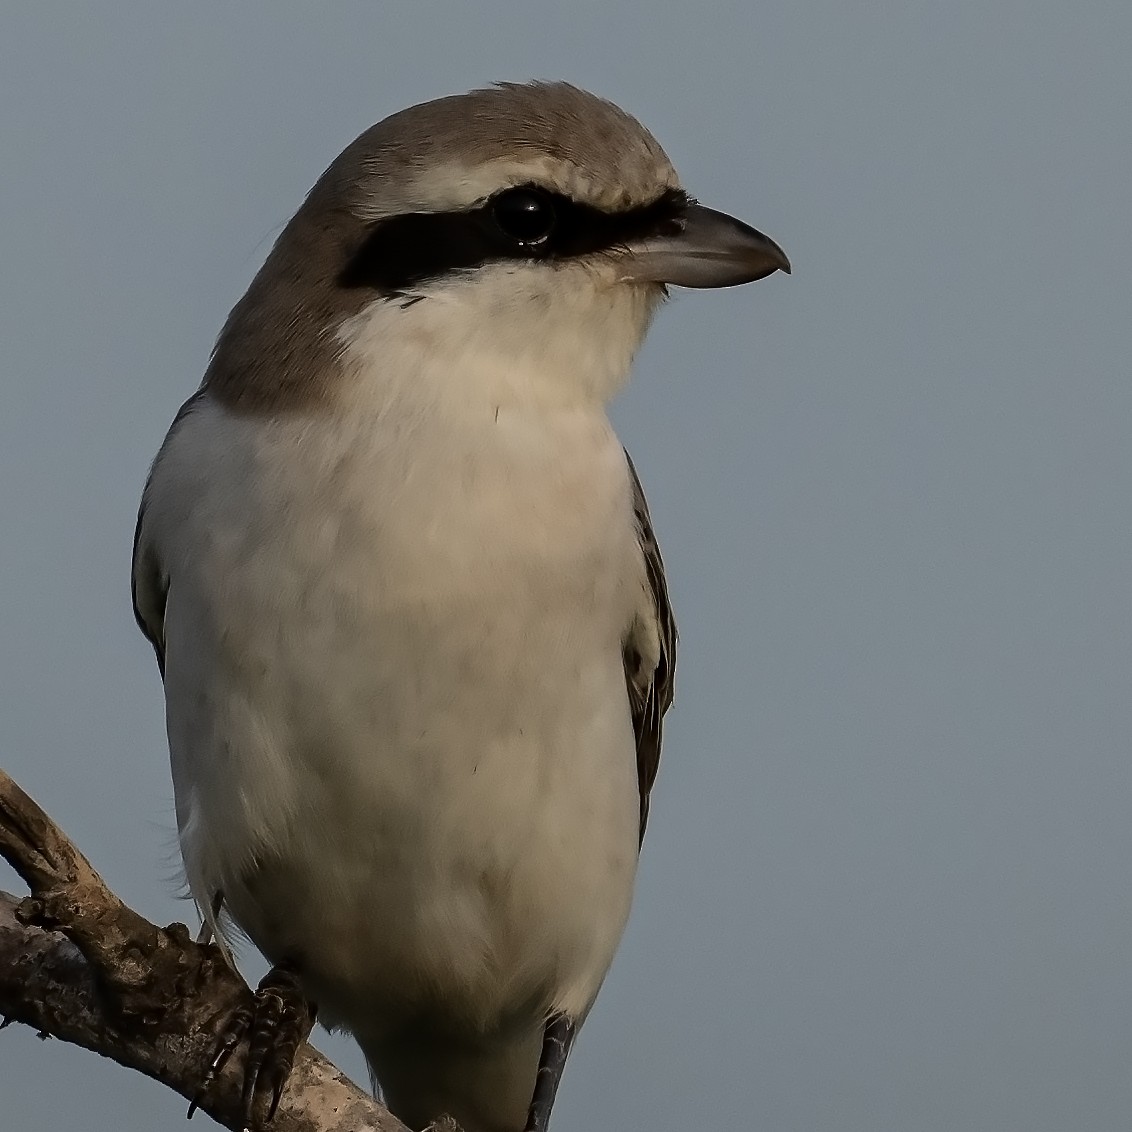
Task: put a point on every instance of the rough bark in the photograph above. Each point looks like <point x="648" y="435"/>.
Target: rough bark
<point x="78" y="964"/>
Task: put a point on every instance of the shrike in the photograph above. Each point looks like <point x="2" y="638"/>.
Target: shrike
<point x="406" y="598"/>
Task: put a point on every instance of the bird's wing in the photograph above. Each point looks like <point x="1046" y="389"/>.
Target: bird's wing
<point x="148" y="588"/>
<point x="649" y="652"/>
<point x="149" y="584"/>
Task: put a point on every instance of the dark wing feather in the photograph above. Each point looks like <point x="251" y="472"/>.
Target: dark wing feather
<point x="149" y="585"/>
<point x="148" y="591"/>
<point x="649" y="652"/>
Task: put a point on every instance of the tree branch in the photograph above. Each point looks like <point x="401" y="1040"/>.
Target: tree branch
<point x="77" y="963"/>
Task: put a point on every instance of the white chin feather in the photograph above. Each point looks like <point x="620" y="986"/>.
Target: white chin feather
<point x="508" y="333"/>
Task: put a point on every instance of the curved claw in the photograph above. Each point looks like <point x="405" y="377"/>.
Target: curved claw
<point x="276" y="1022"/>
<point x="230" y="1037"/>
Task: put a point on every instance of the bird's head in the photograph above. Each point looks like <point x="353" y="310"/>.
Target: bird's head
<point x="526" y="231"/>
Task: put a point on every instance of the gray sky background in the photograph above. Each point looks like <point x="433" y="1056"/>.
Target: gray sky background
<point x="886" y="883"/>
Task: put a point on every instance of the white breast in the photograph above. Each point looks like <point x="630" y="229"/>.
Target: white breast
<point x="397" y="714"/>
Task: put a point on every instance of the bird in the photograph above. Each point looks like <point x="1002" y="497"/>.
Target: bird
<point x="406" y="598"/>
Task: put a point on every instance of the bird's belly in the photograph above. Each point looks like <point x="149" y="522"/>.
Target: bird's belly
<point x="446" y="843"/>
<point x="402" y="746"/>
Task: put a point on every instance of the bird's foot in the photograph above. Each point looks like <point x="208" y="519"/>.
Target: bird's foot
<point x="275" y="1023"/>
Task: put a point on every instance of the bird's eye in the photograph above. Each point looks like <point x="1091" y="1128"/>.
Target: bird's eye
<point x="525" y="215"/>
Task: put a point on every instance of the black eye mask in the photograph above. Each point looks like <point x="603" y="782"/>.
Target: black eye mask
<point x="524" y="223"/>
